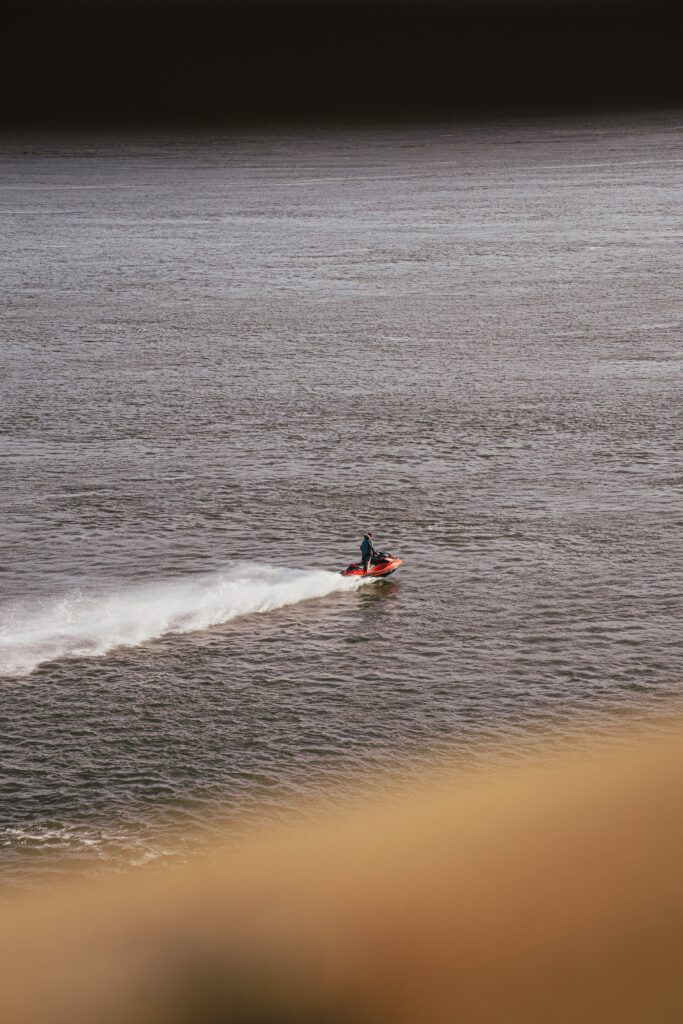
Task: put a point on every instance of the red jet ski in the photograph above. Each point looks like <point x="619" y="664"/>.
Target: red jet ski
<point x="383" y="564"/>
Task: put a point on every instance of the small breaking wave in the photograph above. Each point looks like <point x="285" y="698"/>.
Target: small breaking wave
<point x="79" y="624"/>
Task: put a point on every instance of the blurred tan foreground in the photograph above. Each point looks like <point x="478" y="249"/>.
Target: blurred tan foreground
<point x="549" y="894"/>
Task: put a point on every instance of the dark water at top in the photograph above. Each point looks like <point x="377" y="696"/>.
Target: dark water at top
<point x="223" y="359"/>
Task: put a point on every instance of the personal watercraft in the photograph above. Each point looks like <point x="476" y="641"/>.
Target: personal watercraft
<point x="382" y="564"/>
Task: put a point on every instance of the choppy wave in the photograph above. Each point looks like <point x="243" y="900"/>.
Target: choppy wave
<point x="82" y="624"/>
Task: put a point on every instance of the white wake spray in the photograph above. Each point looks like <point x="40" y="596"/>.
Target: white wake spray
<point x="88" y="624"/>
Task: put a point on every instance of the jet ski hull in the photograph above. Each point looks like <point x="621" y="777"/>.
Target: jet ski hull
<point x="384" y="567"/>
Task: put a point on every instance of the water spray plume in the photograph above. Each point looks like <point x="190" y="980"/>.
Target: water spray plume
<point x="90" y="624"/>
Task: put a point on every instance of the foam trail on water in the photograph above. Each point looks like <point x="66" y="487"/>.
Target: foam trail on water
<point x="90" y="624"/>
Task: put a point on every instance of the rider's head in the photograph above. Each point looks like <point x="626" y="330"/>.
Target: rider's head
<point x="368" y="535"/>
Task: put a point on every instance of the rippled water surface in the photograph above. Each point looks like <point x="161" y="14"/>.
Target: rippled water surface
<point x="224" y="358"/>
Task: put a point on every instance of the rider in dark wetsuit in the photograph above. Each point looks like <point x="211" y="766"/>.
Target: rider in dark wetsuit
<point x="367" y="551"/>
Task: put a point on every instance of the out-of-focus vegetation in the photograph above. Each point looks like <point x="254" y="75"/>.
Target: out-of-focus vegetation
<point x="551" y="893"/>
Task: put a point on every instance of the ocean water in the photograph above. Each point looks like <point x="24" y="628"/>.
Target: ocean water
<point x="225" y="357"/>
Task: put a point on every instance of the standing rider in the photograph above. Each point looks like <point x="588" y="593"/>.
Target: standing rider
<point x="367" y="551"/>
